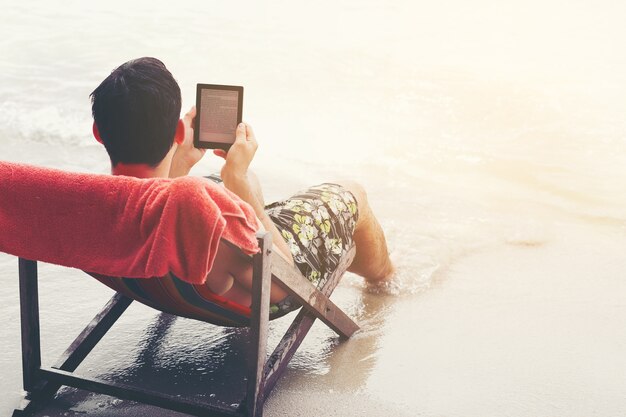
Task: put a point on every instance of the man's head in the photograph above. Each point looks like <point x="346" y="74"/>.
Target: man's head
<point x="136" y="112"/>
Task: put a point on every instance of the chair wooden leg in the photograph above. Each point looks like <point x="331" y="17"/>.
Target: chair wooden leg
<point x="29" y="312"/>
<point x="39" y="389"/>
<point x="29" y="318"/>
<point x="286" y="348"/>
<point x="259" y="321"/>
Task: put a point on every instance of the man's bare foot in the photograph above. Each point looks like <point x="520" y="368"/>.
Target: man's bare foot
<point x="388" y="285"/>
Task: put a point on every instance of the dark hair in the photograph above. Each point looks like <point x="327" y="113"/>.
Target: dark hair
<point x="136" y="109"/>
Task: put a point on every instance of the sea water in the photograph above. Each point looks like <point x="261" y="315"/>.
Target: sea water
<point x="490" y="129"/>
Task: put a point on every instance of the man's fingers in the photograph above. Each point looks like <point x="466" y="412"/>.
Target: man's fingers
<point x="190" y="116"/>
<point x="250" y="133"/>
<point x="240" y="134"/>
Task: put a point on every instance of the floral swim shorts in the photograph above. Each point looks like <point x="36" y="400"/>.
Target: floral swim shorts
<point x="317" y="224"/>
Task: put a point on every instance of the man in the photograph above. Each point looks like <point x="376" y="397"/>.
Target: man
<point x="136" y="113"/>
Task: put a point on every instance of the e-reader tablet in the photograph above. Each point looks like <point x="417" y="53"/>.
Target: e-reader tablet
<point x="218" y="112"/>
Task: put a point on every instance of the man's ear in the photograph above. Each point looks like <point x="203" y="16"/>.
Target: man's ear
<point x="179" y="136"/>
<point x="96" y="132"/>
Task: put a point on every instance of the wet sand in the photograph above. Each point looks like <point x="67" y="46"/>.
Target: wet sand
<point x="516" y="330"/>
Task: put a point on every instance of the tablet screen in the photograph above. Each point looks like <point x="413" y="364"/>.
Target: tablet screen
<point x="218" y="112"/>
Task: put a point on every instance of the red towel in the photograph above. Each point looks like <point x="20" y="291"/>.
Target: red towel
<point x="120" y="226"/>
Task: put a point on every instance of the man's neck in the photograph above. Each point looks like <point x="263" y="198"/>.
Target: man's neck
<point x="141" y="170"/>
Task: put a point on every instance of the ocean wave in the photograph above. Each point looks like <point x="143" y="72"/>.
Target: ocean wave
<point x="48" y="125"/>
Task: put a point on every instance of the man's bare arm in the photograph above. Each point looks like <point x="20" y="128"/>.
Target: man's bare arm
<point x="235" y="177"/>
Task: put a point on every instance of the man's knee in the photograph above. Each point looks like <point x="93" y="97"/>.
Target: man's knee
<point x="354" y="187"/>
<point x="359" y="193"/>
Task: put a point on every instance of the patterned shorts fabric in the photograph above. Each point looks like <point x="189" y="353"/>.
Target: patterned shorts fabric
<point x="317" y="224"/>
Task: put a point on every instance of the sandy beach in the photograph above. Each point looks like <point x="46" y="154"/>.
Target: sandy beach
<point x="491" y="139"/>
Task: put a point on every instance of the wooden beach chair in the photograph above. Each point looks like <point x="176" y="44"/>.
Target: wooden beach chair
<point x="170" y="295"/>
<point x="42" y="382"/>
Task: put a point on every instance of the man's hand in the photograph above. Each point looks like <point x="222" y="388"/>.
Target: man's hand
<point x="235" y="177"/>
<point x="186" y="155"/>
<point x="239" y="155"/>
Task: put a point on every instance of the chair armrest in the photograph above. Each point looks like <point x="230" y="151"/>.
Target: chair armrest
<point x="291" y="280"/>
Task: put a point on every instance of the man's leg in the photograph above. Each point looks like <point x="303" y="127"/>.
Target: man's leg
<point x="372" y="256"/>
